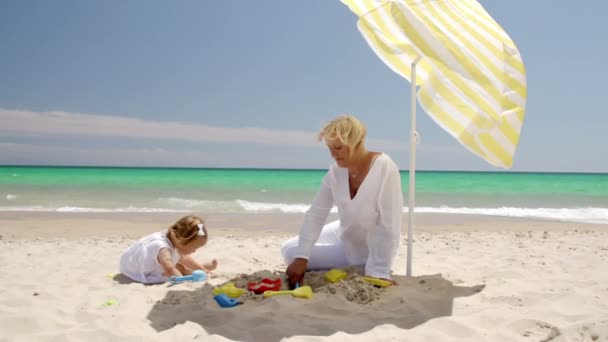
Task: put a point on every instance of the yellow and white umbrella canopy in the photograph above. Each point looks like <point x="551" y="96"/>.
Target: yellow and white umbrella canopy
<point x="471" y="76"/>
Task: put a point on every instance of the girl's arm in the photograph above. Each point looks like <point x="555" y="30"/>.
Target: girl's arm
<point x="165" y="261"/>
<point x="189" y="262"/>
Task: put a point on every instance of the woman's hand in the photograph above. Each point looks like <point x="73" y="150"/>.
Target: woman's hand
<point x="295" y="271"/>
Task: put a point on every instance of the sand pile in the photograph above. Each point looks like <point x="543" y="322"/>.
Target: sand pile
<point x="354" y="289"/>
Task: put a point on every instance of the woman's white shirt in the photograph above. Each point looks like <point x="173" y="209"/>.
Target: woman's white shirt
<point x="370" y="223"/>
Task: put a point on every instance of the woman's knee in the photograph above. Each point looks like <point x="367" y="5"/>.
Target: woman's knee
<point x="288" y="249"/>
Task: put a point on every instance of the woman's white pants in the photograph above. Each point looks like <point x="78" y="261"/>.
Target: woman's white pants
<point x="326" y="254"/>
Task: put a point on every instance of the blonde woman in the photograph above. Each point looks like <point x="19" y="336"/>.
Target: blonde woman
<point x="366" y="188"/>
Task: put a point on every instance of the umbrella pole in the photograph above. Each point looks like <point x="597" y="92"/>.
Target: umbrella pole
<point x="412" y="172"/>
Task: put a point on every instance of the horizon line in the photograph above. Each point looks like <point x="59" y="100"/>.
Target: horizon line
<point x="282" y="169"/>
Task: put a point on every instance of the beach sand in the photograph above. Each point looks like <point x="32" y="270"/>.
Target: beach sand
<point x="475" y="279"/>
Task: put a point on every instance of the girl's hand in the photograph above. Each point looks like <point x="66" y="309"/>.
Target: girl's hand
<point x="210" y="266"/>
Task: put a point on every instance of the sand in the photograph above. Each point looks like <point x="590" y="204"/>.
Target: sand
<point x="475" y="279"/>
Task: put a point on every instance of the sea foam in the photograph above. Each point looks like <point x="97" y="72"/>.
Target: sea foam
<point x="583" y="215"/>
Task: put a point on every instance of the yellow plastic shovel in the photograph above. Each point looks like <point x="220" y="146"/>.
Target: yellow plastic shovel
<point x="229" y="289"/>
<point x="300" y="292"/>
<point x="378" y="282"/>
<point x="335" y="275"/>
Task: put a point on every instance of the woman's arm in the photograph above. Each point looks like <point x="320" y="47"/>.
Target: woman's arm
<point x="315" y="218"/>
<point x="383" y="241"/>
<point x="309" y="232"/>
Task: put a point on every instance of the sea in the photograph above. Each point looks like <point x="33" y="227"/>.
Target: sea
<point x="573" y="197"/>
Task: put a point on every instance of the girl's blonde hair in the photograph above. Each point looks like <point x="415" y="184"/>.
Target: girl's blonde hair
<point x="346" y="128"/>
<point x="185" y="230"/>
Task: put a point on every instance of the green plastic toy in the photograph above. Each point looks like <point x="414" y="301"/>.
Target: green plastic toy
<point x="110" y="302"/>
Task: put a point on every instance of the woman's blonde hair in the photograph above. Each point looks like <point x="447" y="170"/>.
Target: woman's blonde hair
<point x="346" y="128"/>
<point x="185" y="230"/>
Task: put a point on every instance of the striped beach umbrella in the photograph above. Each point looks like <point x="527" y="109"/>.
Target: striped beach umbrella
<point x="470" y="76"/>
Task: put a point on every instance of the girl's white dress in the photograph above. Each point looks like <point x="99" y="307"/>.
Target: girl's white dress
<point x="140" y="260"/>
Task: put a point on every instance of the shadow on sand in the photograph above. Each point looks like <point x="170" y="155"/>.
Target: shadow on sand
<point x="415" y="301"/>
<point x="122" y="279"/>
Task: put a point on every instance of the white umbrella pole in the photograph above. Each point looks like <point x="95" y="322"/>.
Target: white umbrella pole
<point x="412" y="172"/>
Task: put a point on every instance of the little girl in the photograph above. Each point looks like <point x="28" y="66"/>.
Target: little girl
<point x="160" y="255"/>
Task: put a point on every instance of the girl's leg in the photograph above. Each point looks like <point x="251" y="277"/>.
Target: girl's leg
<point x="185" y="270"/>
<point x="327" y="253"/>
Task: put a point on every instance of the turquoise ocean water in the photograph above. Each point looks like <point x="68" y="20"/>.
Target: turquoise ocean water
<point x="572" y="197"/>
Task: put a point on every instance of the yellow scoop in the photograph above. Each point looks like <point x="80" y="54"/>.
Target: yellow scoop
<point x="335" y="275"/>
<point x="300" y="292"/>
<point x="378" y="282"/>
<point x="229" y="289"/>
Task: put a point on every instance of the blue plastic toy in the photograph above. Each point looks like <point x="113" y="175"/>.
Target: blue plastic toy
<point x="226" y="302"/>
<point x="198" y="275"/>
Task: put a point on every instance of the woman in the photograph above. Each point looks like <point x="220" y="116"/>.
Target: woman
<point x="366" y="188"/>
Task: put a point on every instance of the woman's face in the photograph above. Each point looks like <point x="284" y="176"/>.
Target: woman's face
<point x="339" y="151"/>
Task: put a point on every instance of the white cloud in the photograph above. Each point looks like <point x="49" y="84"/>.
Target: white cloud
<point x="284" y="148"/>
<point x="43" y="154"/>
<point x="78" y="124"/>
<point x="58" y="123"/>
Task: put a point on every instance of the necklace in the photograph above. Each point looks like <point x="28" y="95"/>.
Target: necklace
<point x="369" y="159"/>
<point x="355" y="175"/>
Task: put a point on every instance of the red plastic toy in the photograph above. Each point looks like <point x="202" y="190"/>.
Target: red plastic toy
<point x="264" y="285"/>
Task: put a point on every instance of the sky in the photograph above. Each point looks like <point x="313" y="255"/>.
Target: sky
<point x="249" y="83"/>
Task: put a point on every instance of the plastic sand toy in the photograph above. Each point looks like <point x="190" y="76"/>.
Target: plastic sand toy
<point x="335" y="275"/>
<point x="224" y="301"/>
<point x="378" y="282"/>
<point x="300" y="292"/>
<point x="198" y="275"/>
<point x="264" y="285"/>
<point x="229" y="289"/>
<point x="110" y="302"/>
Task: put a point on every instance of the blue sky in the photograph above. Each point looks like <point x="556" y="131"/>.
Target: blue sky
<point x="247" y="84"/>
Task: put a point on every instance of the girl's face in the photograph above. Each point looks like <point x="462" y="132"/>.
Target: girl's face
<point x="192" y="246"/>
<point x="340" y="152"/>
